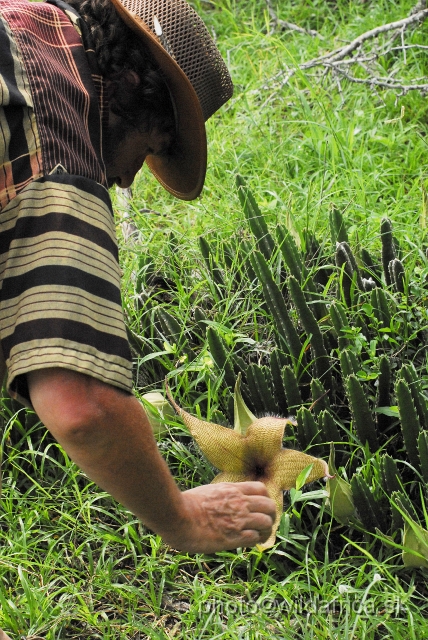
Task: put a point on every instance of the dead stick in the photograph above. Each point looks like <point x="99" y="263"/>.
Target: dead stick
<point x="341" y="53"/>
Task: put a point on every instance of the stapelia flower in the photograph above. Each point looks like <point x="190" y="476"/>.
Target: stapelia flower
<point x="253" y="452"/>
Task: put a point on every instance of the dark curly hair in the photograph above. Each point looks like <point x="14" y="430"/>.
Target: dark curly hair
<point x="146" y="106"/>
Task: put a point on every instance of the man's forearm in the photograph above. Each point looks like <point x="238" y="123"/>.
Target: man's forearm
<point x="117" y="450"/>
<point x="125" y="461"/>
<point x="106" y="432"/>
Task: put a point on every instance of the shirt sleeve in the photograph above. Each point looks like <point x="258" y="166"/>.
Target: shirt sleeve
<point x="60" y="301"/>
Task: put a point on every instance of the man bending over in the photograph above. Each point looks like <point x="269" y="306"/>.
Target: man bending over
<point x="89" y="91"/>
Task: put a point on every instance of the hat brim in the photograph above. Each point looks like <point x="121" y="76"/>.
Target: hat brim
<point x="182" y="172"/>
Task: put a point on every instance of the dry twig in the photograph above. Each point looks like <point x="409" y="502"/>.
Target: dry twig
<point x="342" y="52"/>
<point x="339" y="61"/>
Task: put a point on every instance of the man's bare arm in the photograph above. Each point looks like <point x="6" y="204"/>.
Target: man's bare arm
<point x="106" y="432"/>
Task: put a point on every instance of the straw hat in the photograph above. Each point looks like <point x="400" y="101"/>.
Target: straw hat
<point x="197" y="79"/>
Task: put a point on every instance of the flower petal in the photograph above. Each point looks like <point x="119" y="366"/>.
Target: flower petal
<point x="229" y="477"/>
<point x="264" y="439"/>
<point x="278" y="496"/>
<point x="223" y="447"/>
<point x="287" y="465"/>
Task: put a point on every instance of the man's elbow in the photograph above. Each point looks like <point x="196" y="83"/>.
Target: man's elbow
<point x="74" y="407"/>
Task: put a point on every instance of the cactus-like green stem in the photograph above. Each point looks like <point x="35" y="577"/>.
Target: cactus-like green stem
<point x="363" y="420"/>
<point x="310" y="325"/>
<point x="388" y="249"/>
<point x="275" y="302"/>
<point x="410" y="424"/>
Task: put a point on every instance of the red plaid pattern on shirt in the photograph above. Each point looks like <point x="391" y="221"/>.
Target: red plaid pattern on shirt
<point x="62" y="91"/>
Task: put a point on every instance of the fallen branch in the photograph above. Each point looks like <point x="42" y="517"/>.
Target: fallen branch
<point x="387" y="83"/>
<point x="340" y="60"/>
<point x="344" y="51"/>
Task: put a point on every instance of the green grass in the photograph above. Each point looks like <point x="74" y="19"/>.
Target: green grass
<point x="73" y="564"/>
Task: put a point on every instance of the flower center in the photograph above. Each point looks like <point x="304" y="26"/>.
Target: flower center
<point x="258" y="471"/>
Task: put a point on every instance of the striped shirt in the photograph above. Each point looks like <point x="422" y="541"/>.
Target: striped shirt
<point x="60" y="302"/>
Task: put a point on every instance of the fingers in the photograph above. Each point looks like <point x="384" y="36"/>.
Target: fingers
<point x="251" y="487"/>
<point x="259" y="500"/>
<point x="229" y="515"/>
<point x="251" y="537"/>
<point x="262" y="504"/>
<point x="253" y="496"/>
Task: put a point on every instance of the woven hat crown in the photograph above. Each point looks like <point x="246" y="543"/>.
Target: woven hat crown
<point x="188" y="41"/>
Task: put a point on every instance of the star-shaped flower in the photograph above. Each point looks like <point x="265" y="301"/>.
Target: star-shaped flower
<point x="253" y="451"/>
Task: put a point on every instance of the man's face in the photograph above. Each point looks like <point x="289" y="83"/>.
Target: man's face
<point x="125" y="150"/>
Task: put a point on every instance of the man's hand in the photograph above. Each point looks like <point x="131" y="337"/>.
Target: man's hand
<point x="224" y="516"/>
